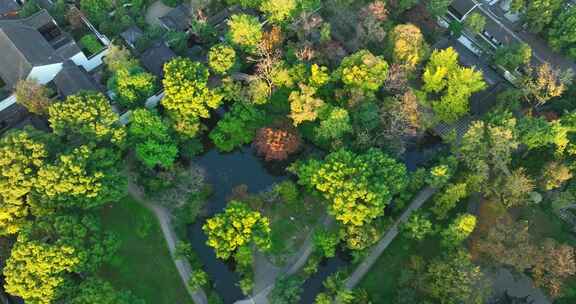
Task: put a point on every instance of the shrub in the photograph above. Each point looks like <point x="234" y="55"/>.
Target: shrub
<point x="91" y="44"/>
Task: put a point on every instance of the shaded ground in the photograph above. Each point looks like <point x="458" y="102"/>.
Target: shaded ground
<point x="143" y="264"/>
<point x="155" y="11"/>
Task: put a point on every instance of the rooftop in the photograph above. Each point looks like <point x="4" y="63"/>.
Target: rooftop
<point x="8" y="6"/>
<point x="154" y="58"/>
<point x="73" y="79"/>
<point x="178" y="19"/>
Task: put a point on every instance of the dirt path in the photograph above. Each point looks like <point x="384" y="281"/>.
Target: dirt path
<point x="390" y="235"/>
<point x="164" y="218"/>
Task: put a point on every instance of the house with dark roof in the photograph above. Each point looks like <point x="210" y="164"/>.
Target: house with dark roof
<point x="131" y="36"/>
<point x="154" y="58"/>
<point x="177" y="19"/>
<point x="36" y="48"/>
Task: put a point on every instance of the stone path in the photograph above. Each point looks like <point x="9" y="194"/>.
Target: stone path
<point x="390" y="235"/>
<point x="164" y="218"/>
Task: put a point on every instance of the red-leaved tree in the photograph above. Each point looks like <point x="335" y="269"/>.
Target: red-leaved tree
<point x="276" y="143"/>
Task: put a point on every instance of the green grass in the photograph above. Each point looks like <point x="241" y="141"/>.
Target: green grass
<point x="143" y="264"/>
<point x="381" y="282"/>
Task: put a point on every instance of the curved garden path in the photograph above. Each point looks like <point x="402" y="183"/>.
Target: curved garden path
<point x="164" y="218"/>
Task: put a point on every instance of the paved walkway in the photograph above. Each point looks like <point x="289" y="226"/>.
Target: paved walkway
<point x="164" y="218"/>
<point x="265" y="287"/>
<point x="390" y="235"/>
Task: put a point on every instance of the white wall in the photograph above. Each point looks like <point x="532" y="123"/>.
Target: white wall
<point x="89" y="63"/>
<point x="45" y="73"/>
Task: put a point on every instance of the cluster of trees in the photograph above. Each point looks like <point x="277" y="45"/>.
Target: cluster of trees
<point x="51" y="188"/>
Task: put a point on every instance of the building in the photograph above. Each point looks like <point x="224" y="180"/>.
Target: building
<point x="154" y="58"/>
<point x="8" y="8"/>
<point x="178" y="19"/>
<point x="36" y="48"/>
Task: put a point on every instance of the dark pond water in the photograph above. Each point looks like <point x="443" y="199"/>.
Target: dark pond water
<point x="224" y="171"/>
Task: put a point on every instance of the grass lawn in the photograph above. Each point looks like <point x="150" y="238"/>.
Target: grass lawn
<point x="381" y="282"/>
<point x="143" y="264"/>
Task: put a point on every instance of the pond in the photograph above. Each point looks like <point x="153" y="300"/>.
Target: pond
<point x="224" y="171"/>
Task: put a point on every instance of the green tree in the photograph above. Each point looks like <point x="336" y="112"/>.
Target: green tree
<point x="87" y="117"/>
<point x="303" y="105"/>
<point x="279" y="11"/>
<point x="459" y="230"/>
<point x="453" y="279"/>
<point x="539" y="14"/>
<point x="221" y="58"/>
<point x="33" y="96"/>
<point x="475" y="22"/>
<point x="21" y="155"/>
<point x="245" y="31"/>
<point x="97" y="291"/>
<point x="363" y="71"/>
<point x="85" y="178"/>
<point x="409" y="46"/>
<point x="37" y="272"/>
<point x="132" y="86"/>
<point x="562" y="33"/>
<point x="438" y="8"/>
<point x="151" y="139"/>
<point x="237" y="226"/>
<point x="447" y="199"/>
<point x="29" y="8"/>
<point x="238" y="127"/>
<point x="97" y="10"/>
<point x="456" y="84"/>
<point x="418" y="226"/>
<point x="187" y="96"/>
<point x="325" y="242"/>
<point x="287" y="290"/>
<point x="84" y="234"/>
<point x="356" y="186"/>
<point x="513" y="56"/>
<point x="198" y="279"/>
<point x="335" y="125"/>
<point x="118" y="58"/>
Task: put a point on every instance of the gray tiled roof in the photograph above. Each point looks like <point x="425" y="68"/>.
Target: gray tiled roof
<point x="178" y="18"/>
<point x="154" y="58"/>
<point x="73" y="79"/>
<point x="131" y="35"/>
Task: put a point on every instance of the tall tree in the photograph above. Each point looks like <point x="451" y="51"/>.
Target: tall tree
<point x="187" y="96"/>
<point x="245" y="31"/>
<point x="409" y="46"/>
<point x="97" y="291"/>
<point x="151" y="139"/>
<point x="132" y="86"/>
<point x="303" y="105"/>
<point x="562" y="33"/>
<point x="86" y="117"/>
<point x="362" y="71"/>
<point x="238" y="127"/>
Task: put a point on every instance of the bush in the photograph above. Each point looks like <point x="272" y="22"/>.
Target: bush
<point x="325" y="242"/>
<point x="287" y="290"/>
<point x="91" y="44"/>
<point x="171" y="3"/>
<point x="221" y="58"/>
<point x="198" y="279"/>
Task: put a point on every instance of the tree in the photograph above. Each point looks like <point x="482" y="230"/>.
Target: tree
<point x="335" y="125"/>
<point x="132" y="87"/>
<point x="513" y="56"/>
<point x="453" y="279"/>
<point x="237" y="226"/>
<point x="363" y="71"/>
<point x="279" y="11"/>
<point x="459" y="230"/>
<point x="21" y="155"/>
<point x="119" y="58"/>
<point x="539" y="14"/>
<point x="36" y="272"/>
<point x="475" y="22"/>
<point x="447" y="200"/>
<point x="221" y="58"/>
<point x="238" y="127"/>
<point x="245" y="31"/>
<point x="97" y="291"/>
<point x="84" y="178"/>
<point x="555" y="264"/>
<point x="187" y="96"/>
<point x="418" y="226"/>
<point x="438" y="8"/>
<point x="370" y="22"/>
<point x="543" y="84"/>
<point x="287" y="290"/>
<point x="87" y="117"/>
<point x="33" y="96"/>
<point x="29" y="8"/>
<point x="409" y="46"/>
<point x="198" y="279"/>
<point x="325" y="242"/>
<point x="83" y="234"/>
<point x="276" y="143"/>
<point x="150" y="137"/>
<point x="356" y="186"/>
<point x="562" y="33"/>
<point x="97" y="10"/>
<point x="303" y="105"/>
<point x="515" y="188"/>
<point x="554" y="174"/>
<point x="444" y="76"/>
